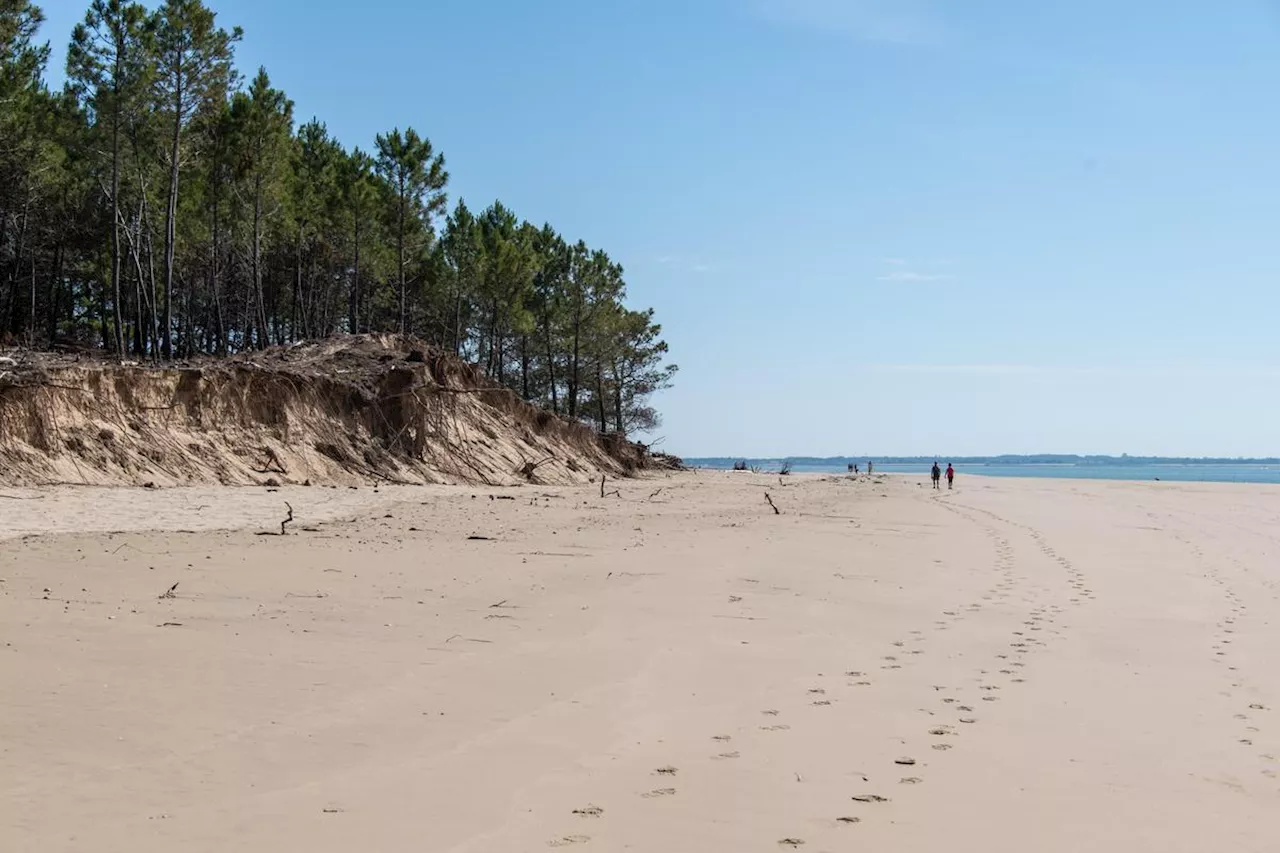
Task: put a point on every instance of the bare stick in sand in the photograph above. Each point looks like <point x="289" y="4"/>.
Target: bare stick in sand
<point x="776" y="511"/>
<point x="284" y="532"/>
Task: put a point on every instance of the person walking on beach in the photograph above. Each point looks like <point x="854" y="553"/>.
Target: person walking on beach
<point x="951" y="476"/>
<point x="937" y="476"/>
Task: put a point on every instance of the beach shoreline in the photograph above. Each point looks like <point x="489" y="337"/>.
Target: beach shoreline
<point x="1019" y="664"/>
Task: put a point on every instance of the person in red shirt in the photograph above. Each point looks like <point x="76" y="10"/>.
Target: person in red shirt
<point x="951" y="476"/>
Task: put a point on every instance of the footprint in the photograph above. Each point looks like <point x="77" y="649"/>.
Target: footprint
<point x="666" y="771"/>
<point x="848" y="820"/>
<point x="770" y="713"/>
<point x="722" y="738"/>
<point x="910" y="780"/>
<point x="569" y="840"/>
<point x="942" y="747"/>
<point x="779" y="728"/>
<point x="791" y="842"/>
<point x="905" y="762"/>
<point x="822" y="702"/>
<point x="726" y="755"/>
<point x="659" y="792"/>
<point x="589" y="811"/>
<point x="869" y="798"/>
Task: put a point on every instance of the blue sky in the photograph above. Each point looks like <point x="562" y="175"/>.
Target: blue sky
<point x="868" y="226"/>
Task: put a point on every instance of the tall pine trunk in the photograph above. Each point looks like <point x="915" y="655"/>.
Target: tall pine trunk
<point x="524" y="366"/>
<point x="171" y="227"/>
<point x="260" y="309"/>
<point x="404" y="317"/>
<point x="617" y="399"/>
<point x="215" y="288"/>
<point x="604" y="424"/>
<point x="573" y="369"/>
<point x="355" y="280"/>
<point x="115" y="213"/>
<point x="551" y="370"/>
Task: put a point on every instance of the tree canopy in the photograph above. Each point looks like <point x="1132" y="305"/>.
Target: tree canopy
<point x="161" y="205"/>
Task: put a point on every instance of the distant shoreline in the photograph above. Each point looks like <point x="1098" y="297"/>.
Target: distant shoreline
<point x="1038" y="459"/>
<point x="1260" y="471"/>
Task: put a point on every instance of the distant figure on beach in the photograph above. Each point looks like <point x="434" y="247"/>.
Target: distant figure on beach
<point x="853" y="469"/>
<point x="870" y="468"/>
<point x="951" y="475"/>
<point x="936" y="474"/>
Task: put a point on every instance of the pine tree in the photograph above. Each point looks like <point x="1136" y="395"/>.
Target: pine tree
<point x="194" y="71"/>
<point x="417" y="179"/>
<point x="109" y="68"/>
<point x="262" y="120"/>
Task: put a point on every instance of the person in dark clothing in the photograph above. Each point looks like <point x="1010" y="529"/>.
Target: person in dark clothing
<point x="937" y="476"/>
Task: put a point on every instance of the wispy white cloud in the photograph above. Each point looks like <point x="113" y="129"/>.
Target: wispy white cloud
<point x="985" y="369"/>
<point x="911" y="277"/>
<point x="687" y="264"/>
<point x="899" y="22"/>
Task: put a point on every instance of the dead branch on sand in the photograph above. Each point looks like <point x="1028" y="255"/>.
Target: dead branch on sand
<point x="615" y="493"/>
<point x="170" y="593"/>
<point x="776" y="511"/>
<point x="288" y="520"/>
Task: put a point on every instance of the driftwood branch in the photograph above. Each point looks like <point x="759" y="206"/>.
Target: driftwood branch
<point x="529" y="468"/>
<point x="776" y="511"/>
<point x="615" y="493"/>
<point x="288" y="520"/>
<point x="171" y="592"/>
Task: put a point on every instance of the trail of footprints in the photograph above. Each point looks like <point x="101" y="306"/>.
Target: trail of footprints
<point x="1248" y="715"/>
<point x="962" y="713"/>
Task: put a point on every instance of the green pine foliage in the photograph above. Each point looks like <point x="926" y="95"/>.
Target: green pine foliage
<point x="162" y="206"/>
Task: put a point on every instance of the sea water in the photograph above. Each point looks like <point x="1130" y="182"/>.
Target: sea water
<point x="1218" y="472"/>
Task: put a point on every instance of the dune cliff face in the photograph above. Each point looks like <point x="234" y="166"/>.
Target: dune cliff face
<point x="344" y="410"/>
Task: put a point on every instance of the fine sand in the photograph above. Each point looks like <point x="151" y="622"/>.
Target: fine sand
<point x="1019" y="666"/>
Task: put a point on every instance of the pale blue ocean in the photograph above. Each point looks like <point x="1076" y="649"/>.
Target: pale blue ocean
<point x="1185" y="473"/>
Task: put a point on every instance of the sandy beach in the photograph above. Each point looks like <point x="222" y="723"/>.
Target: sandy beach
<point x="1019" y="665"/>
